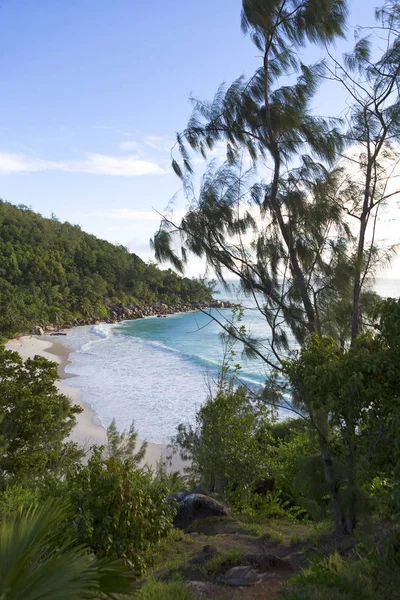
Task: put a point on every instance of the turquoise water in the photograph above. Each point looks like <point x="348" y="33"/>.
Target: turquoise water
<point x="197" y="337"/>
<point x="157" y="372"/>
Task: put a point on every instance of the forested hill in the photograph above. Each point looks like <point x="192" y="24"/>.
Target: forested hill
<point x="51" y="272"/>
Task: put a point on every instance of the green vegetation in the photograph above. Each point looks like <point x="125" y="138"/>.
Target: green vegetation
<point x="321" y="489"/>
<point x="157" y="590"/>
<point x="373" y="576"/>
<point x="299" y="227"/>
<point x="120" y="510"/>
<point x="349" y="398"/>
<point x="228" y="444"/>
<point x="223" y="561"/>
<point x="36" y="562"/>
<point x="35" y="419"/>
<point x="53" y="272"/>
<point x="91" y="514"/>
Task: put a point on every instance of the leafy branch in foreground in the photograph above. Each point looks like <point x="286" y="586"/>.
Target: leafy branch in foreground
<point x="36" y="563"/>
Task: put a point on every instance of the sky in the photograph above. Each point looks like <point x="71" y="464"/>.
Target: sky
<point x="92" y="93"/>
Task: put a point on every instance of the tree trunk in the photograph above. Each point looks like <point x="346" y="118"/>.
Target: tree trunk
<point x="284" y="227"/>
<point x="355" y="320"/>
<point x="351" y="519"/>
<point x="332" y="484"/>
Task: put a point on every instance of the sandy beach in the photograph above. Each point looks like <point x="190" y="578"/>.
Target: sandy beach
<point x="88" y="430"/>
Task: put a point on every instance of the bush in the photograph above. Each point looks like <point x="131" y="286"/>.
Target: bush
<point x="230" y="443"/>
<point x="14" y="498"/>
<point x="35" y="419"/>
<point x="293" y="451"/>
<point x="374" y="576"/>
<point x="120" y="509"/>
<point x="256" y="508"/>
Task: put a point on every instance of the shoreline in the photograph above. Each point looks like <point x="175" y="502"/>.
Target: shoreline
<point x="132" y="312"/>
<point x="88" y="430"/>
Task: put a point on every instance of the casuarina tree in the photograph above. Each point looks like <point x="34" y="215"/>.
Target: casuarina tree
<point x="278" y="213"/>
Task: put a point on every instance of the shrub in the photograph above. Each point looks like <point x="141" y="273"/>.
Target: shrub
<point x="12" y="499"/>
<point x="35" y="419"/>
<point x="255" y="508"/>
<point x="374" y="576"/>
<point x="120" y="510"/>
<point x="230" y="442"/>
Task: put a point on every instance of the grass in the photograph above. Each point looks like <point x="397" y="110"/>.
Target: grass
<point x="276" y="537"/>
<point x="285" y="532"/>
<point x="173" y="551"/>
<point x="158" y="590"/>
<point x="211" y="525"/>
<point x="367" y="575"/>
<point x="223" y="561"/>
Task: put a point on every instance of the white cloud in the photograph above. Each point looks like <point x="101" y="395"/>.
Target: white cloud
<point x="18" y="163"/>
<point x="157" y="142"/>
<point x="92" y="163"/>
<point x="135" y="227"/>
<point x="129" y="145"/>
<point x="129" y="166"/>
<point x="114" y="130"/>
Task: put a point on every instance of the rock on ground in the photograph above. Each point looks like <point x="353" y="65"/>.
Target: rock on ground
<point x="198" y="506"/>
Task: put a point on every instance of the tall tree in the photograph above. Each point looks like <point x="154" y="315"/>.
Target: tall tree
<point x="269" y="224"/>
<point x="373" y="130"/>
<point x="278" y="213"/>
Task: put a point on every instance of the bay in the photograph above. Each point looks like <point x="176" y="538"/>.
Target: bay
<point x="157" y="371"/>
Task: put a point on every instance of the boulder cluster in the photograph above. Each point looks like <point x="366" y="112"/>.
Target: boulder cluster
<point x="128" y="312"/>
<point x="122" y="312"/>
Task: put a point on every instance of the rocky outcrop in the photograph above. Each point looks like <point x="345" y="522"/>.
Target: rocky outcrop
<point x="122" y="312"/>
<point x="129" y="312"/>
<point x="198" y="506"/>
<point x="38" y="330"/>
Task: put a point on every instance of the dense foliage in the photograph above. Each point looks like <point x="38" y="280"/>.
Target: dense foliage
<point x="351" y="396"/>
<point x="228" y="445"/>
<point x="236" y="446"/>
<point x="374" y="576"/>
<point x="119" y="509"/>
<point x="107" y="505"/>
<point x="35" y="419"/>
<point x="345" y="445"/>
<point x="290" y="241"/>
<point x="51" y="272"/>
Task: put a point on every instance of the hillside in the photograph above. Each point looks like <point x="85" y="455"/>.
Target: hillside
<point x="51" y="272"/>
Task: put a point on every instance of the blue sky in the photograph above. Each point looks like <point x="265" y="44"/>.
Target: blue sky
<point x="92" y="93"/>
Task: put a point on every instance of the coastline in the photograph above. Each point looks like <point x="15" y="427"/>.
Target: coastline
<point x="88" y="430"/>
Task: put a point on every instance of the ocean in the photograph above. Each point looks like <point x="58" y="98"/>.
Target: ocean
<point x="157" y="372"/>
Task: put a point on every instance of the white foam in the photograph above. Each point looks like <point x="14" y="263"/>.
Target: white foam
<point x="130" y="379"/>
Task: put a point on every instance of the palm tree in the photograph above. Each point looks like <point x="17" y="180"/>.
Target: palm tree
<point x="38" y="562"/>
